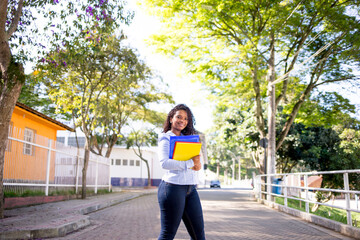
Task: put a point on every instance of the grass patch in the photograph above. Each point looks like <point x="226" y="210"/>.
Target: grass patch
<point x="62" y="193"/>
<point x="33" y="193"/>
<point x="335" y="214"/>
<point x="104" y="191"/>
<point x="27" y="193"/>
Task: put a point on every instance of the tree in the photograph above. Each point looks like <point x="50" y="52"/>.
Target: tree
<point x="12" y="78"/>
<point x="102" y="83"/>
<point x="82" y="75"/>
<point x="236" y="128"/>
<point x="137" y="140"/>
<point x="243" y="49"/>
<point x="127" y="100"/>
<point x="236" y="132"/>
<point x="20" y="39"/>
<point x="76" y="82"/>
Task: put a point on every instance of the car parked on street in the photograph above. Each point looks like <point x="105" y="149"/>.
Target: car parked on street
<point x="215" y="184"/>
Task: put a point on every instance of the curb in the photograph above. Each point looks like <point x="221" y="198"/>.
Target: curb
<point x="16" y="202"/>
<point x="321" y="221"/>
<point x="59" y="231"/>
<point x="73" y="222"/>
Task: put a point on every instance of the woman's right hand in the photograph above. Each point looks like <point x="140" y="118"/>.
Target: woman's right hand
<point x="197" y="163"/>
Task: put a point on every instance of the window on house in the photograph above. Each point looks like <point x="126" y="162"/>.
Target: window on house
<point x="66" y="161"/>
<point x="60" y="139"/>
<point x="125" y="162"/>
<point x="112" y="161"/>
<point x="8" y="144"/>
<point x="72" y="141"/>
<point x="137" y="163"/>
<point x="132" y="162"/>
<point x="29" y="136"/>
<point x="118" y="162"/>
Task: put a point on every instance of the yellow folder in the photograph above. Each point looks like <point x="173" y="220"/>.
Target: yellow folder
<point x="184" y="151"/>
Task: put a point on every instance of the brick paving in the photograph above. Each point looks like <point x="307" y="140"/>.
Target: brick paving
<point x="59" y="218"/>
<point x="228" y="214"/>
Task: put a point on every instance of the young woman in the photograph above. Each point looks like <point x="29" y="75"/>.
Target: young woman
<point x="177" y="194"/>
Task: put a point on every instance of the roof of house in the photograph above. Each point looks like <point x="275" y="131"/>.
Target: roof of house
<point x="33" y="111"/>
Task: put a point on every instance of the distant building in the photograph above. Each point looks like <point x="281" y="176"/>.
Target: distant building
<point x="127" y="169"/>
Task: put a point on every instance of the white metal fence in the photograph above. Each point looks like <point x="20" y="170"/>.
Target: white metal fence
<point x="296" y="186"/>
<point x="46" y="165"/>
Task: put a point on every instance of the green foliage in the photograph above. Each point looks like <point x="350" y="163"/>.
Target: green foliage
<point x="229" y="140"/>
<point x="325" y="109"/>
<point x="222" y="47"/>
<point x="33" y="95"/>
<point x="102" y="83"/>
<point x="10" y="194"/>
<point x="321" y="145"/>
<point x="315" y="139"/>
<point x="225" y="45"/>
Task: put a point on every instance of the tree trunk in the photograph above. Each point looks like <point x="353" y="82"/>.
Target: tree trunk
<point x="8" y="100"/>
<point x="111" y="145"/>
<point x="258" y="111"/>
<point x="84" y="170"/>
<point x="139" y="154"/>
<point x="148" y="172"/>
<point x="271" y="116"/>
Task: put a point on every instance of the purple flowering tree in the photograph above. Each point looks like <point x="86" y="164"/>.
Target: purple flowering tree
<point x="21" y="42"/>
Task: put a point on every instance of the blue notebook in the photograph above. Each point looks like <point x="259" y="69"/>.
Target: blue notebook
<point x="187" y="138"/>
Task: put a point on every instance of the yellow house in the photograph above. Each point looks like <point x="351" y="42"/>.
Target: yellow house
<point x="27" y="162"/>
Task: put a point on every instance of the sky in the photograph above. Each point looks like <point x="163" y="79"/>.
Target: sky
<point x="181" y="87"/>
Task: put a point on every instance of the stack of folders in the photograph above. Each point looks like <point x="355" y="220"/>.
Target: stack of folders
<point x="183" y="148"/>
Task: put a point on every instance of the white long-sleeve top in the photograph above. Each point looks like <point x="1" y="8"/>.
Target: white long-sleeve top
<point x="177" y="172"/>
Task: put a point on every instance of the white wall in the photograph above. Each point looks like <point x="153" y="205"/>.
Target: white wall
<point x="119" y="154"/>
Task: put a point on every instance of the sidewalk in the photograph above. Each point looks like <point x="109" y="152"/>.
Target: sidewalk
<point x="59" y="218"/>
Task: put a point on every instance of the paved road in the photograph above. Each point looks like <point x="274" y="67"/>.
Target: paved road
<point x="229" y="214"/>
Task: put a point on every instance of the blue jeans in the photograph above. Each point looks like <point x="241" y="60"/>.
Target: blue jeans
<point x="180" y="202"/>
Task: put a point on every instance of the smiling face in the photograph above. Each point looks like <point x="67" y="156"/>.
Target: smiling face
<point x="179" y="121"/>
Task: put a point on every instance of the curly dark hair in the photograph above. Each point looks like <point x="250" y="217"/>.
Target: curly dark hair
<point x="189" y="129"/>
